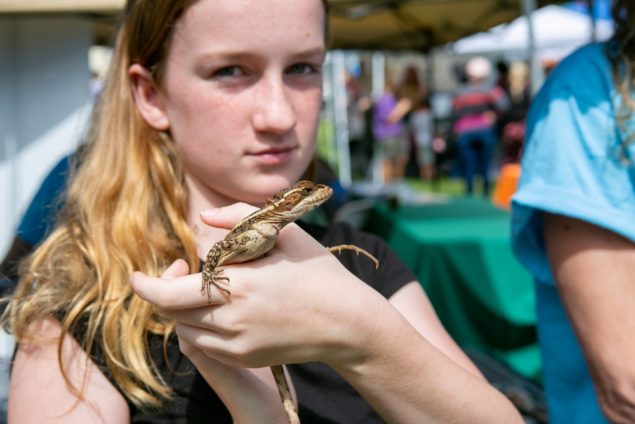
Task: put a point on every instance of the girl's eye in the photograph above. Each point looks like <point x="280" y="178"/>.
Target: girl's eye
<point x="228" y="71"/>
<point x="301" y="68"/>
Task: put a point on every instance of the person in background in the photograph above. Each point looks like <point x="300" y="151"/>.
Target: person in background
<point x="422" y="123"/>
<point x="410" y="86"/>
<point x="512" y="134"/>
<point x="36" y="223"/>
<point x="475" y="110"/>
<point x="358" y="102"/>
<point x="502" y="75"/>
<point x="512" y="122"/>
<point x="573" y="228"/>
<point x="412" y="94"/>
<point x="390" y="133"/>
<point x="211" y="105"/>
<point x="95" y="86"/>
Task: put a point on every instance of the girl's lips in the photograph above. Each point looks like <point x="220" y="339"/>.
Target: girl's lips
<point x="273" y="156"/>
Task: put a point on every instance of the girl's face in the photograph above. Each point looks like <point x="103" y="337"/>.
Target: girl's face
<point x="241" y="94"/>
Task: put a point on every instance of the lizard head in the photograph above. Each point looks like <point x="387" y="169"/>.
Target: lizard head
<point x="293" y="202"/>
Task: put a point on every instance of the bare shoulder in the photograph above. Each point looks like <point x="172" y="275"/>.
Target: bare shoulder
<point x="39" y="393"/>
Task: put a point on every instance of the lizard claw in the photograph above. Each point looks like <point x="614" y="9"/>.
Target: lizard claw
<point x="215" y="280"/>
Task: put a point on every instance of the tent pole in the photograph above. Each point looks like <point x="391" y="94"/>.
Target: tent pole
<point x="378" y="85"/>
<point x="338" y="71"/>
<point x="378" y="74"/>
<point x="536" y="71"/>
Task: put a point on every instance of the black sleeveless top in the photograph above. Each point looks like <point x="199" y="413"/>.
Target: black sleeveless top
<point x="323" y="396"/>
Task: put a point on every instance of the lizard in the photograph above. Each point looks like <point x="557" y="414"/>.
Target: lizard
<point x="253" y="237"/>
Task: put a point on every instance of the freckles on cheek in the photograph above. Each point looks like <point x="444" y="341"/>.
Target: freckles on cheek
<point x="204" y="159"/>
<point x="203" y="144"/>
<point x="197" y="126"/>
<point x="312" y="114"/>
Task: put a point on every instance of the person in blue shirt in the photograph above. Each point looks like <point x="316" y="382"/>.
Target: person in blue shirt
<point x="573" y="227"/>
<point x="37" y="221"/>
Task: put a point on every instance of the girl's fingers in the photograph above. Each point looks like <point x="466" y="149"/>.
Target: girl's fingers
<point x="212" y="319"/>
<point x="218" y="346"/>
<point x="226" y="217"/>
<point x="178" y="268"/>
<point x="175" y="293"/>
<point x="208" y="341"/>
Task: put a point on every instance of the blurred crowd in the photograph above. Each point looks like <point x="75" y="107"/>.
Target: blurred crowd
<point x="401" y="134"/>
<point x="571" y="228"/>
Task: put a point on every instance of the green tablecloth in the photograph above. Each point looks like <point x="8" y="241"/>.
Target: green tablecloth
<point x="461" y="254"/>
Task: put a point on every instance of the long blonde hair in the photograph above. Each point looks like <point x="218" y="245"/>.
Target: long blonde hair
<point x="621" y="54"/>
<point x="126" y="210"/>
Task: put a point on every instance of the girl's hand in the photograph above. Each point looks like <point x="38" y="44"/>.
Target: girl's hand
<point x="297" y="304"/>
<point x="249" y="394"/>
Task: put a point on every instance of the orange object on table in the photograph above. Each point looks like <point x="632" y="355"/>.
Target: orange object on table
<point x="506" y="185"/>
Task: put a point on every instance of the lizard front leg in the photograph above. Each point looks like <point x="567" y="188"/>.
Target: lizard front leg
<point x="250" y="244"/>
<point x="211" y="274"/>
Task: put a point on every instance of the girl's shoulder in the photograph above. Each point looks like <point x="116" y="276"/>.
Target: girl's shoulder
<point x="389" y="276"/>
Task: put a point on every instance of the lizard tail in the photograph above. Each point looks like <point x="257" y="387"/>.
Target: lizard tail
<point x="285" y="394"/>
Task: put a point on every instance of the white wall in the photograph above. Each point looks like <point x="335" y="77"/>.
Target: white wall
<point x="44" y="104"/>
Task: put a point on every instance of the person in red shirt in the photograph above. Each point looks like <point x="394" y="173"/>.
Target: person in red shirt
<point x="475" y="111"/>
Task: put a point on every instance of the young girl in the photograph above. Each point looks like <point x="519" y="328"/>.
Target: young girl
<point x="209" y="103"/>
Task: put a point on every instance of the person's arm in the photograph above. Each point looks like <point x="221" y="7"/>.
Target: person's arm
<point x="299" y="304"/>
<point x="419" y="374"/>
<point x="39" y="394"/>
<point x="413" y="303"/>
<point x="403" y="106"/>
<point x="250" y="394"/>
<point x="594" y="270"/>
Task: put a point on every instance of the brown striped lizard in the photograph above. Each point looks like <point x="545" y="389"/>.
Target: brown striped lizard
<point x="253" y="237"/>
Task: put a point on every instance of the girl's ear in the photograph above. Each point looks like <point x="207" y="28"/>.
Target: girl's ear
<point x="148" y="98"/>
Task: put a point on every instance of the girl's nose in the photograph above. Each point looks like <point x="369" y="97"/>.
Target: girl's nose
<point x="274" y="111"/>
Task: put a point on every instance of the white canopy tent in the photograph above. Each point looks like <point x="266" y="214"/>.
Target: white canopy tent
<point x="557" y="31"/>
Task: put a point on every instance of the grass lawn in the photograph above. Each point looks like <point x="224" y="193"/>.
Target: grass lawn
<point x="446" y="185"/>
